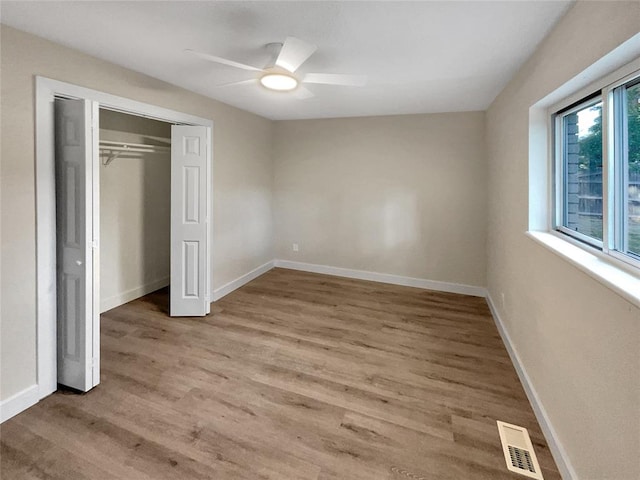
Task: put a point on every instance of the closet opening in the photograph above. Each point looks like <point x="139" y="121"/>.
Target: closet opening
<point x="124" y="202"/>
<point x="135" y="208"/>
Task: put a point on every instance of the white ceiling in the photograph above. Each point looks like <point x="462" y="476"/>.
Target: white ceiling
<point x="420" y="57"/>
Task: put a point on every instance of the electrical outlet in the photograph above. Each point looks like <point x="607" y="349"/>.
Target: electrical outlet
<point x="504" y="300"/>
<point x="295" y="247"/>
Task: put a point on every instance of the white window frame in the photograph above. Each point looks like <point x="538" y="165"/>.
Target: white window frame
<point x="618" y="245"/>
<point x="616" y="275"/>
<point x="559" y="170"/>
<point x="614" y="206"/>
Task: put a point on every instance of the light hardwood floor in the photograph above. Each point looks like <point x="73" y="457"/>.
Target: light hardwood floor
<point x="294" y="376"/>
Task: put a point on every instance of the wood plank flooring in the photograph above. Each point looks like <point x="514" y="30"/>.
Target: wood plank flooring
<point x="294" y="376"/>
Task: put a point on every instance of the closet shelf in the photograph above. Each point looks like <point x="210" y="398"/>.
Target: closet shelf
<point x="118" y="148"/>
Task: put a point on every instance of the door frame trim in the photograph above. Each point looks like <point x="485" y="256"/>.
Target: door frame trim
<point x="46" y="90"/>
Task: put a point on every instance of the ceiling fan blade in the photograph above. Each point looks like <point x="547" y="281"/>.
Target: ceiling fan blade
<point x="302" y="93"/>
<point x="294" y="53"/>
<point x="336" y="79"/>
<point x="223" y="61"/>
<point x="241" y="82"/>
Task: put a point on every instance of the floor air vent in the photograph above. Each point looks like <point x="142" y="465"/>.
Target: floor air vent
<point x="518" y="450"/>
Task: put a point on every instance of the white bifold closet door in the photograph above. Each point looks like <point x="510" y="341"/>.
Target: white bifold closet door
<point x="189" y="221"/>
<point x="77" y="221"/>
<point x="75" y="244"/>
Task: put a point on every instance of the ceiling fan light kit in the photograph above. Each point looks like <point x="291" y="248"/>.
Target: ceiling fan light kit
<point x="279" y="77"/>
<point x="279" y="82"/>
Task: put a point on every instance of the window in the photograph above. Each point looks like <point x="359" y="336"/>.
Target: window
<point x="627" y="157"/>
<point x="597" y="169"/>
<point x="581" y="181"/>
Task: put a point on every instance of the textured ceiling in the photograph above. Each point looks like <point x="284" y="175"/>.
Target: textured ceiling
<point x="419" y="57"/>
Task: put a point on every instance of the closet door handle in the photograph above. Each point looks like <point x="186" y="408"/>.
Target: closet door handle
<point x="78" y="262"/>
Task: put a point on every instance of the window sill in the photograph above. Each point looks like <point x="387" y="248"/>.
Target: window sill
<point x="600" y="268"/>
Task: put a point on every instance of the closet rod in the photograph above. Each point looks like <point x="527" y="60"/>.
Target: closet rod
<point x="118" y="148"/>
<point x="125" y="148"/>
<point x="113" y="145"/>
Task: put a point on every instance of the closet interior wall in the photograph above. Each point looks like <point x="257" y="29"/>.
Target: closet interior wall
<point x="135" y="196"/>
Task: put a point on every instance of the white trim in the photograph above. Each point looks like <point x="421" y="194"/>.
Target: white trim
<point x="384" y="278"/>
<point x="95" y="215"/>
<point x="19" y="402"/>
<point x="128" y="295"/>
<point x="209" y="260"/>
<point x="557" y="450"/>
<point x="46" y="90"/>
<point x="121" y="104"/>
<point x="227" y="288"/>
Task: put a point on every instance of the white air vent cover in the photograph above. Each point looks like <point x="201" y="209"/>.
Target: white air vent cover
<point x="518" y="450"/>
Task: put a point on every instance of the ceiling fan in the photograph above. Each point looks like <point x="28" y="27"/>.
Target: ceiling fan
<point x="280" y="76"/>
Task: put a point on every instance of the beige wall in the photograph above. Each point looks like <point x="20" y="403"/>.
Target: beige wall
<point x="578" y="340"/>
<point x="135" y="202"/>
<point x="402" y="195"/>
<point x="242" y="181"/>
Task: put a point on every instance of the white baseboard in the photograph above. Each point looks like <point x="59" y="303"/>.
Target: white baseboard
<point x="124" y="297"/>
<point x="227" y="288"/>
<point x="384" y="278"/>
<point x="557" y="450"/>
<point x="18" y="402"/>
